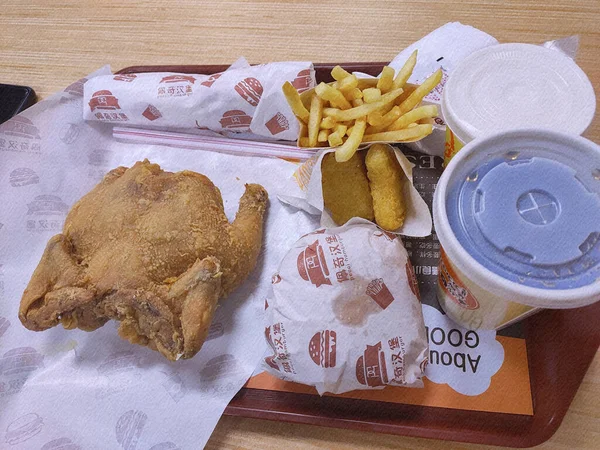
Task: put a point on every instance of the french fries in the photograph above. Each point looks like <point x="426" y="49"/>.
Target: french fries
<point x="314" y="120"/>
<point x="351" y="110"/>
<point x="406" y="135"/>
<point x="293" y="98"/>
<point x="406" y="71"/>
<point x="386" y="80"/>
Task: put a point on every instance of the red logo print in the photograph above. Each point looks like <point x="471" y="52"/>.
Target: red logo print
<point x="303" y="81"/>
<point x="104" y="100"/>
<point x="152" y="113"/>
<point x="211" y="80"/>
<point x="382" y="233"/>
<point x="370" y="367"/>
<point x="250" y="90"/>
<point x="277" y="124"/>
<point x="412" y="280"/>
<point x="127" y="77"/>
<point x="178" y="79"/>
<point x="380" y="293"/>
<point x="271" y="363"/>
<point x="322" y="348"/>
<point x="236" y="120"/>
<point x="312" y="265"/>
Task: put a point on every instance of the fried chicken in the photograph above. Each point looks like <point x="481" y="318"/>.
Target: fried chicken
<point x="151" y="249"/>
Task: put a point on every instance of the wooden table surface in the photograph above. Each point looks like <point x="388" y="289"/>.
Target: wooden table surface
<point x="47" y="44"/>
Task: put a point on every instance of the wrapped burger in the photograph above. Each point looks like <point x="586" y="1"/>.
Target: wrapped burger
<point x="241" y="99"/>
<point x="344" y="312"/>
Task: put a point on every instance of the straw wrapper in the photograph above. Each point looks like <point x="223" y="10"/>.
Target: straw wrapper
<point x="344" y="312"/>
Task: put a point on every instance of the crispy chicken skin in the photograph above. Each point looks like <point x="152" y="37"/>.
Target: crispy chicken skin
<point x="151" y="249"/>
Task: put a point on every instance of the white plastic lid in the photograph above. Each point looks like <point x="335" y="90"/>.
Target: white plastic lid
<point x="510" y="86"/>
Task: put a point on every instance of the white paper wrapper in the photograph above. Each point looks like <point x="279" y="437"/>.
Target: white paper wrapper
<point x="445" y="47"/>
<point x="344" y="312"/>
<point x="95" y="390"/>
<point x="305" y="191"/>
<point x="243" y="98"/>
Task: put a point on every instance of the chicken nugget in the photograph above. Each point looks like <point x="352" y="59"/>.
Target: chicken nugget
<point x="346" y="191"/>
<point x="386" y="179"/>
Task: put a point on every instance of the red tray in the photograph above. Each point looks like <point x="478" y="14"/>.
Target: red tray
<point x="560" y="346"/>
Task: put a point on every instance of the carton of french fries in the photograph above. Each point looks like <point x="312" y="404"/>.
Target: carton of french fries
<point x="357" y="174"/>
<point x="352" y="111"/>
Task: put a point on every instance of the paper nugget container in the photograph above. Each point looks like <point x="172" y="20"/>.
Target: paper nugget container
<point x="309" y="197"/>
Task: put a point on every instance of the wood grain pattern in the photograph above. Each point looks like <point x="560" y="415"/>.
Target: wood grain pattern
<point x="47" y="44"/>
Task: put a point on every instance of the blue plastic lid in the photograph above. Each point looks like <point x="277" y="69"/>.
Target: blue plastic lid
<point x="528" y="210"/>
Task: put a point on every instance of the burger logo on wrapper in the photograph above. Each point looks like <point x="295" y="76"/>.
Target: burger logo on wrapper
<point x="210" y="81"/>
<point x="61" y="444"/>
<point x="119" y="362"/>
<point x="412" y="280"/>
<point x="277" y="124"/>
<point x="222" y="374"/>
<point x="236" y="120"/>
<point x="152" y="113"/>
<point x="103" y="100"/>
<point x="380" y="293"/>
<point x="303" y="81"/>
<point x="47" y="205"/>
<point x="21" y="360"/>
<point x="118" y="372"/>
<point x="312" y="265"/>
<point x="19" y="135"/>
<point x="126" y="77"/>
<point x="129" y="428"/>
<point x="370" y="368"/>
<point x="23" y="429"/>
<point x="322" y="348"/>
<point x="23" y="177"/>
<point x="176" y="86"/>
<point x="76" y="89"/>
<point x="250" y="90"/>
<point x="179" y="79"/>
<point x="46" y="213"/>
